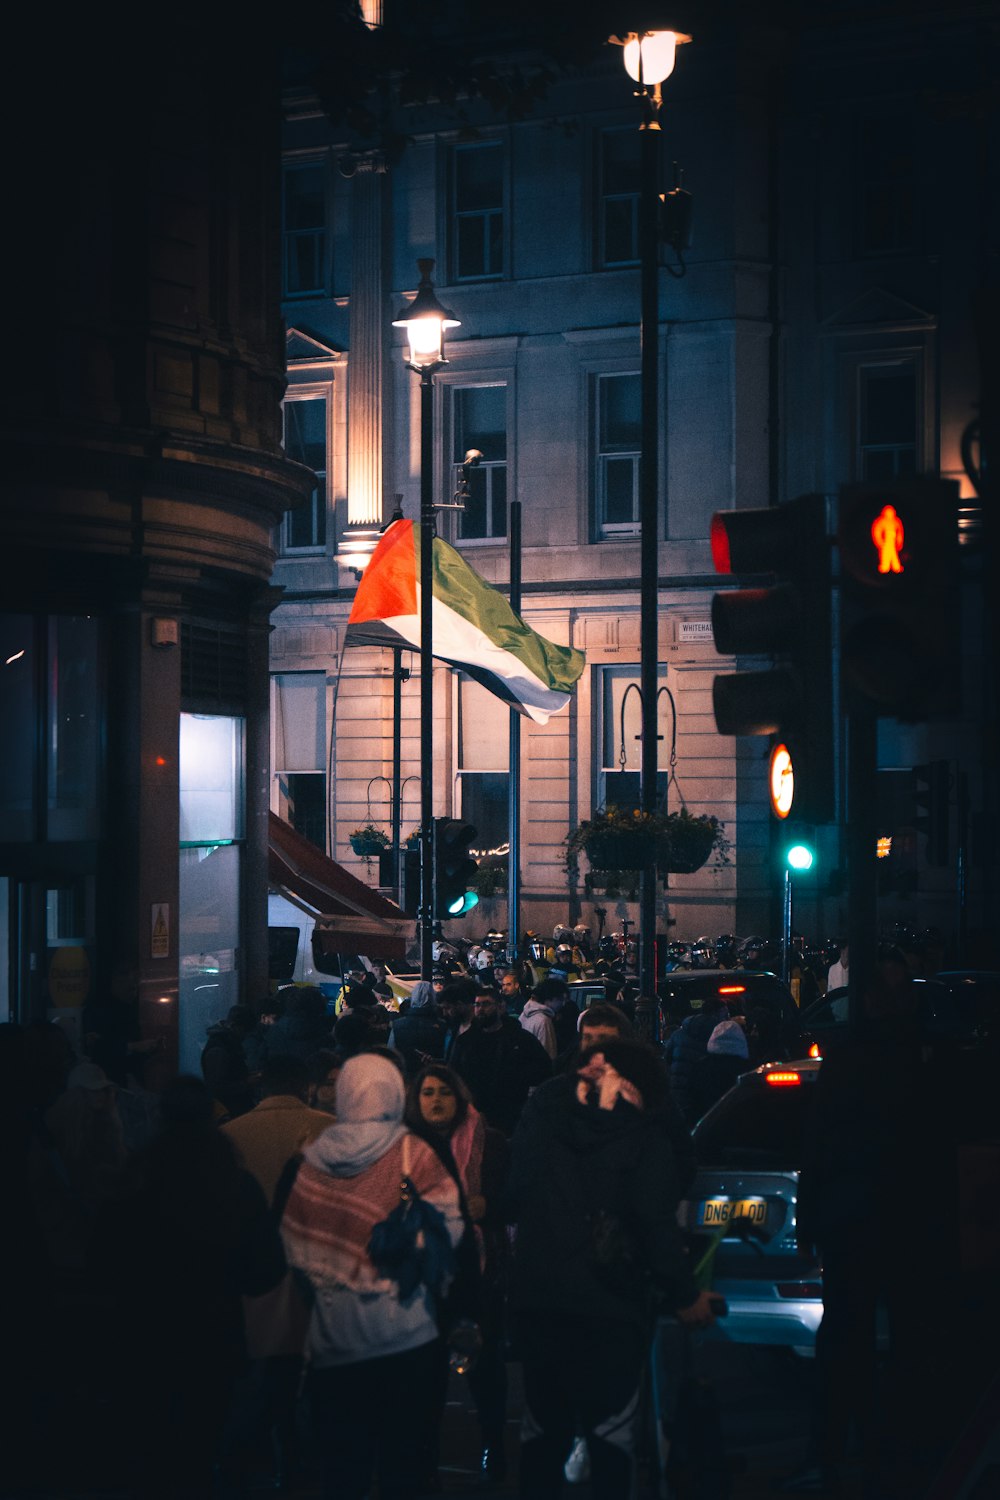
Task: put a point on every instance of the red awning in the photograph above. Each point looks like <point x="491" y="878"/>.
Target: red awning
<point x="350" y="916"/>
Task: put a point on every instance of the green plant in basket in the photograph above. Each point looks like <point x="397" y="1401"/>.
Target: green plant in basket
<point x="369" y="839"/>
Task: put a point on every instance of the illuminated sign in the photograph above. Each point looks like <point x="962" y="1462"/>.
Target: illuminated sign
<point x="883" y="847"/>
<point x="887" y="534"/>
<point x="781" y="779"/>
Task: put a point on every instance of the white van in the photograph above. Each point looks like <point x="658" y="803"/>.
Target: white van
<point x="289" y="932"/>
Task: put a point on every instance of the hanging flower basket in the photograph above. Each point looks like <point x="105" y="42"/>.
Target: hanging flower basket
<point x="620" y="841"/>
<point x="369" y="840"/>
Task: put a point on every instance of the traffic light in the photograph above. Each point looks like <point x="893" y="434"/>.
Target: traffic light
<point x="454" y="868"/>
<point x="789" y="620"/>
<point x="931" y="798"/>
<point x="900" y="624"/>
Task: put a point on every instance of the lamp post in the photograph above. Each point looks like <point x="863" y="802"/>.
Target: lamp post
<point x="425" y="321"/>
<point x="649" y="58"/>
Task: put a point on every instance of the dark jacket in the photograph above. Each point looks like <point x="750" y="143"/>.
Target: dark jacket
<point x="500" y="1067"/>
<point x="594" y="1194"/>
<point x="711" y="1077"/>
<point x="419" y="1034"/>
<point x="878" y="1144"/>
<point x="686" y="1047"/>
<point x="302" y="1030"/>
<point x="225" y="1069"/>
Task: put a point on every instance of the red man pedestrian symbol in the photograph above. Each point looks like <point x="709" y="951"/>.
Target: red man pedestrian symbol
<point x="887" y="534"/>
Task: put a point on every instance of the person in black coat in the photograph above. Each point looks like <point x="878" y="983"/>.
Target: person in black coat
<point x="593" y="1191"/>
<point x="499" y="1061"/>
<point x="301" y="1029"/>
<point x="173" y="1256"/>
<point x="877" y="1200"/>
<point x="419" y="1034"/>
<point x="684" y="1050"/>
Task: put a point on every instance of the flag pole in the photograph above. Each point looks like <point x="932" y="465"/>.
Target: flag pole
<point x="426" y="673"/>
<point x="514" y="757"/>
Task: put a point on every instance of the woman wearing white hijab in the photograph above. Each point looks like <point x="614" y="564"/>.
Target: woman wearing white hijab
<point x="369" y="1349"/>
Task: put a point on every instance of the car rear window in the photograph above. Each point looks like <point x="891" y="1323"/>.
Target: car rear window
<point x="756" y="1127"/>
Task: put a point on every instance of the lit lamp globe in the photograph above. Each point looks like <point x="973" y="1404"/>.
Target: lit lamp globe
<point x="649" y="57"/>
<point x="425" y="321"/>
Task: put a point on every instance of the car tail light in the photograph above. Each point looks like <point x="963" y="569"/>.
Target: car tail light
<point x="802" y="1291"/>
<point x="784" y="1079"/>
<point x="732" y="989"/>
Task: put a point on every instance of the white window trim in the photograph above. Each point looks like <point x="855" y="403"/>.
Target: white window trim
<point x="313" y="391"/>
<point x="446" y="234"/>
<point x="478" y="375"/>
<point x="291" y="162"/>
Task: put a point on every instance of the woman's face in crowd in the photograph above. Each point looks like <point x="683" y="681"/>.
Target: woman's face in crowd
<point x="437" y="1103"/>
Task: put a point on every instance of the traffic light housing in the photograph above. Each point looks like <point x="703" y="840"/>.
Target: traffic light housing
<point x="931" y="788"/>
<point x="900" y="608"/>
<point x="454" y="868"/>
<point x="789" y="620"/>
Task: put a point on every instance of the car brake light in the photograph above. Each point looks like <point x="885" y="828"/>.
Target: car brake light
<point x="802" y="1291"/>
<point x="783" y="1079"/>
<point x="814" y="1050"/>
<point x="732" y="989"/>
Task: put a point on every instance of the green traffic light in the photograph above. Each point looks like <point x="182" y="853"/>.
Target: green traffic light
<point x="799" y="857"/>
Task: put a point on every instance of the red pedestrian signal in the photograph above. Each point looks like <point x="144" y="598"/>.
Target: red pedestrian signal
<point x="898" y="547"/>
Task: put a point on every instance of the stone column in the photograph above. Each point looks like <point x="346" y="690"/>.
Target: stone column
<point x="367" y="340"/>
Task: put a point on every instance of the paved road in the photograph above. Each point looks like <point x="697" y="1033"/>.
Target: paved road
<point x="762" y="1399"/>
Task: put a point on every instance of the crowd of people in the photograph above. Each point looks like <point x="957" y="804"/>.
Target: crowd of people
<point x="228" y="1265"/>
<point x="207" y="1263"/>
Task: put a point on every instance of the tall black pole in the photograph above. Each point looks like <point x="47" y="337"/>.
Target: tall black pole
<point x="862" y="832"/>
<point x="514" y="758"/>
<point x="649" y="520"/>
<point x="397" y="768"/>
<point x="426" y="915"/>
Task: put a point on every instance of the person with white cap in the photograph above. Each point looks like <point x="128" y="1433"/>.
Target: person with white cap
<point x="372" y="1347"/>
<point x="726" y="1057"/>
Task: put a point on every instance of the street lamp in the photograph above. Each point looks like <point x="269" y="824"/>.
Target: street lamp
<point x="649" y="59"/>
<point x="425" y="321"/>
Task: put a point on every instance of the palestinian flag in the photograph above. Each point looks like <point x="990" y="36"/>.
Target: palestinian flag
<point x="474" y="627"/>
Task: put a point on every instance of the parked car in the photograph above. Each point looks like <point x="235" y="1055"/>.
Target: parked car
<point x="749" y="1150"/>
<point x="961" y="1006"/>
<point x="685" y="991"/>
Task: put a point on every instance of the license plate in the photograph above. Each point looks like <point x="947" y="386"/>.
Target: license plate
<point x="715" y="1212"/>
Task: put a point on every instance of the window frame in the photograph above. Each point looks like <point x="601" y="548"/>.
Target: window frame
<point x="861" y="449"/>
<point x="312" y="391"/>
<point x="488" y="466"/>
<point x="289" y="165"/>
<point x="493" y="366"/>
<point x="602" y="198"/>
<point x="884" y="187"/>
<point x="630" y="673"/>
<point x="455" y="214"/>
<point x="612" y="530"/>
<point x="461" y="773"/>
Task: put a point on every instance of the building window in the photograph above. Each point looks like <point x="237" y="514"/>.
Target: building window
<point x="483" y="760"/>
<point x="618" y="198"/>
<point x="887" y="422"/>
<point x="212" y="800"/>
<point x="618" y="426"/>
<point x="306" y="441"/>
<point x="886" y="186"/>
<point x="479" y="421"/>
<point x="618" y="781"/>
<point x="298" y="752"/>
<point x="304" y="230"/>
<point x="477" y="227"/>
